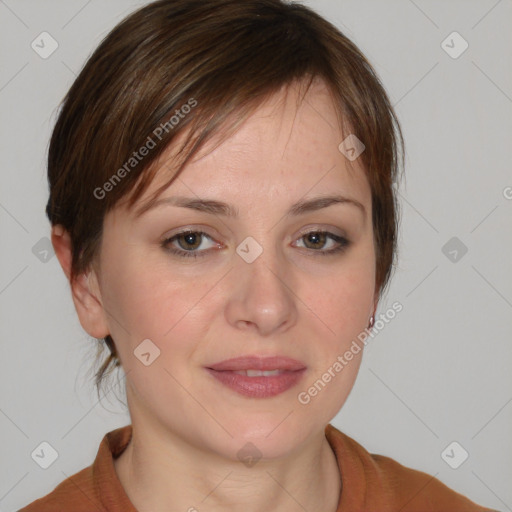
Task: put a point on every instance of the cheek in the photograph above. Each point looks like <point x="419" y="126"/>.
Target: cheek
<point x="343" y="301"/>
<point x="145" y="301"/>
<point x="341" y="309"/>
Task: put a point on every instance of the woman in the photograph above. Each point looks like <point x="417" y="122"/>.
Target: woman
<point x="221" y="195"/>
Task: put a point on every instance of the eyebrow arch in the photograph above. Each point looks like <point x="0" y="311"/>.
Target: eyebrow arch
<point x="219" y="208"/>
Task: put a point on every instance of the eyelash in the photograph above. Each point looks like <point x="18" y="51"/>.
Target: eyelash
<point x="344" y="244"/>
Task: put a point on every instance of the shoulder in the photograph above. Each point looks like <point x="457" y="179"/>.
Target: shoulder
<point x="377" y="482"/>
<point x="95" y="487"/>
<point x="74" y="493"/>
<point x="417" y="491"/>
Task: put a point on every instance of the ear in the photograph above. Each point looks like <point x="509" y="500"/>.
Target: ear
<point x="84" y="288"/>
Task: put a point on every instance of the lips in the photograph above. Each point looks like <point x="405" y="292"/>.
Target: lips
<point x="258" y="377"/>
<point x="250" y="364"/>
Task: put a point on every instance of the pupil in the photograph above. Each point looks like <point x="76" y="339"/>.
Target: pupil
<point x="191" y="239"/>
<point x="316" y="238"/>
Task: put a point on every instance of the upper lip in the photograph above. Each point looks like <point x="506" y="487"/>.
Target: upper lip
<point x="258" y="363"/>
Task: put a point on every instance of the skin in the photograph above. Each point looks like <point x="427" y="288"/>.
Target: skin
<point x="292" y="301"/>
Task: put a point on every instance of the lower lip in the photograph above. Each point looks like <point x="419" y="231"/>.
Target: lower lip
<point x="258" y="387"/>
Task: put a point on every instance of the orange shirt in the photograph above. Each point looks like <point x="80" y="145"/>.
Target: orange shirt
<point x="371" y="483"/>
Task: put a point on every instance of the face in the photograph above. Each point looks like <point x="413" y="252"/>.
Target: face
<point x="267" y="282"/>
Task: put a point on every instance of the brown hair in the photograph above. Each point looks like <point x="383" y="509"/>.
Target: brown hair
<point x="222" y="58"/>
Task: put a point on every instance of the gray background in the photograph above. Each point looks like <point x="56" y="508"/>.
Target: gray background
<point x="439" y="372"/>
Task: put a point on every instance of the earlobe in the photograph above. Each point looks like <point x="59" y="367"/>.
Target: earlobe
<point x="84" y="287"/>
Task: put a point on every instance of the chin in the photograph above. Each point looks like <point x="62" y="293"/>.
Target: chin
<point x="273" y="431"/>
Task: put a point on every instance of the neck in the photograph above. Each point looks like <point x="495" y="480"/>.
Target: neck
<point x="161" y="470"/>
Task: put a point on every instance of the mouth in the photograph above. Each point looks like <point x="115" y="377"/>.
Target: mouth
<point x="258" y="377"/>
<point x="259" y="363"/>
<point x="259" y="373"/>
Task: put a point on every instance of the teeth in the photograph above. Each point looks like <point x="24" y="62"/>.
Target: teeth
<point x="258" y="373"/>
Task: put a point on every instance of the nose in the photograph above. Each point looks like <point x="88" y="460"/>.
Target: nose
<point x="261" y="294"/>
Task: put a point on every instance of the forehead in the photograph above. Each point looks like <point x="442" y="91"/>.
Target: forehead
<point x="284" y="150"/>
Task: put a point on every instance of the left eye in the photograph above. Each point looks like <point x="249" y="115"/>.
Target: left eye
<point x="318" y="239"/>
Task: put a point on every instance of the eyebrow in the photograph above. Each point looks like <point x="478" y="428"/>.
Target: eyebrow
<point x="220" y="208"/>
